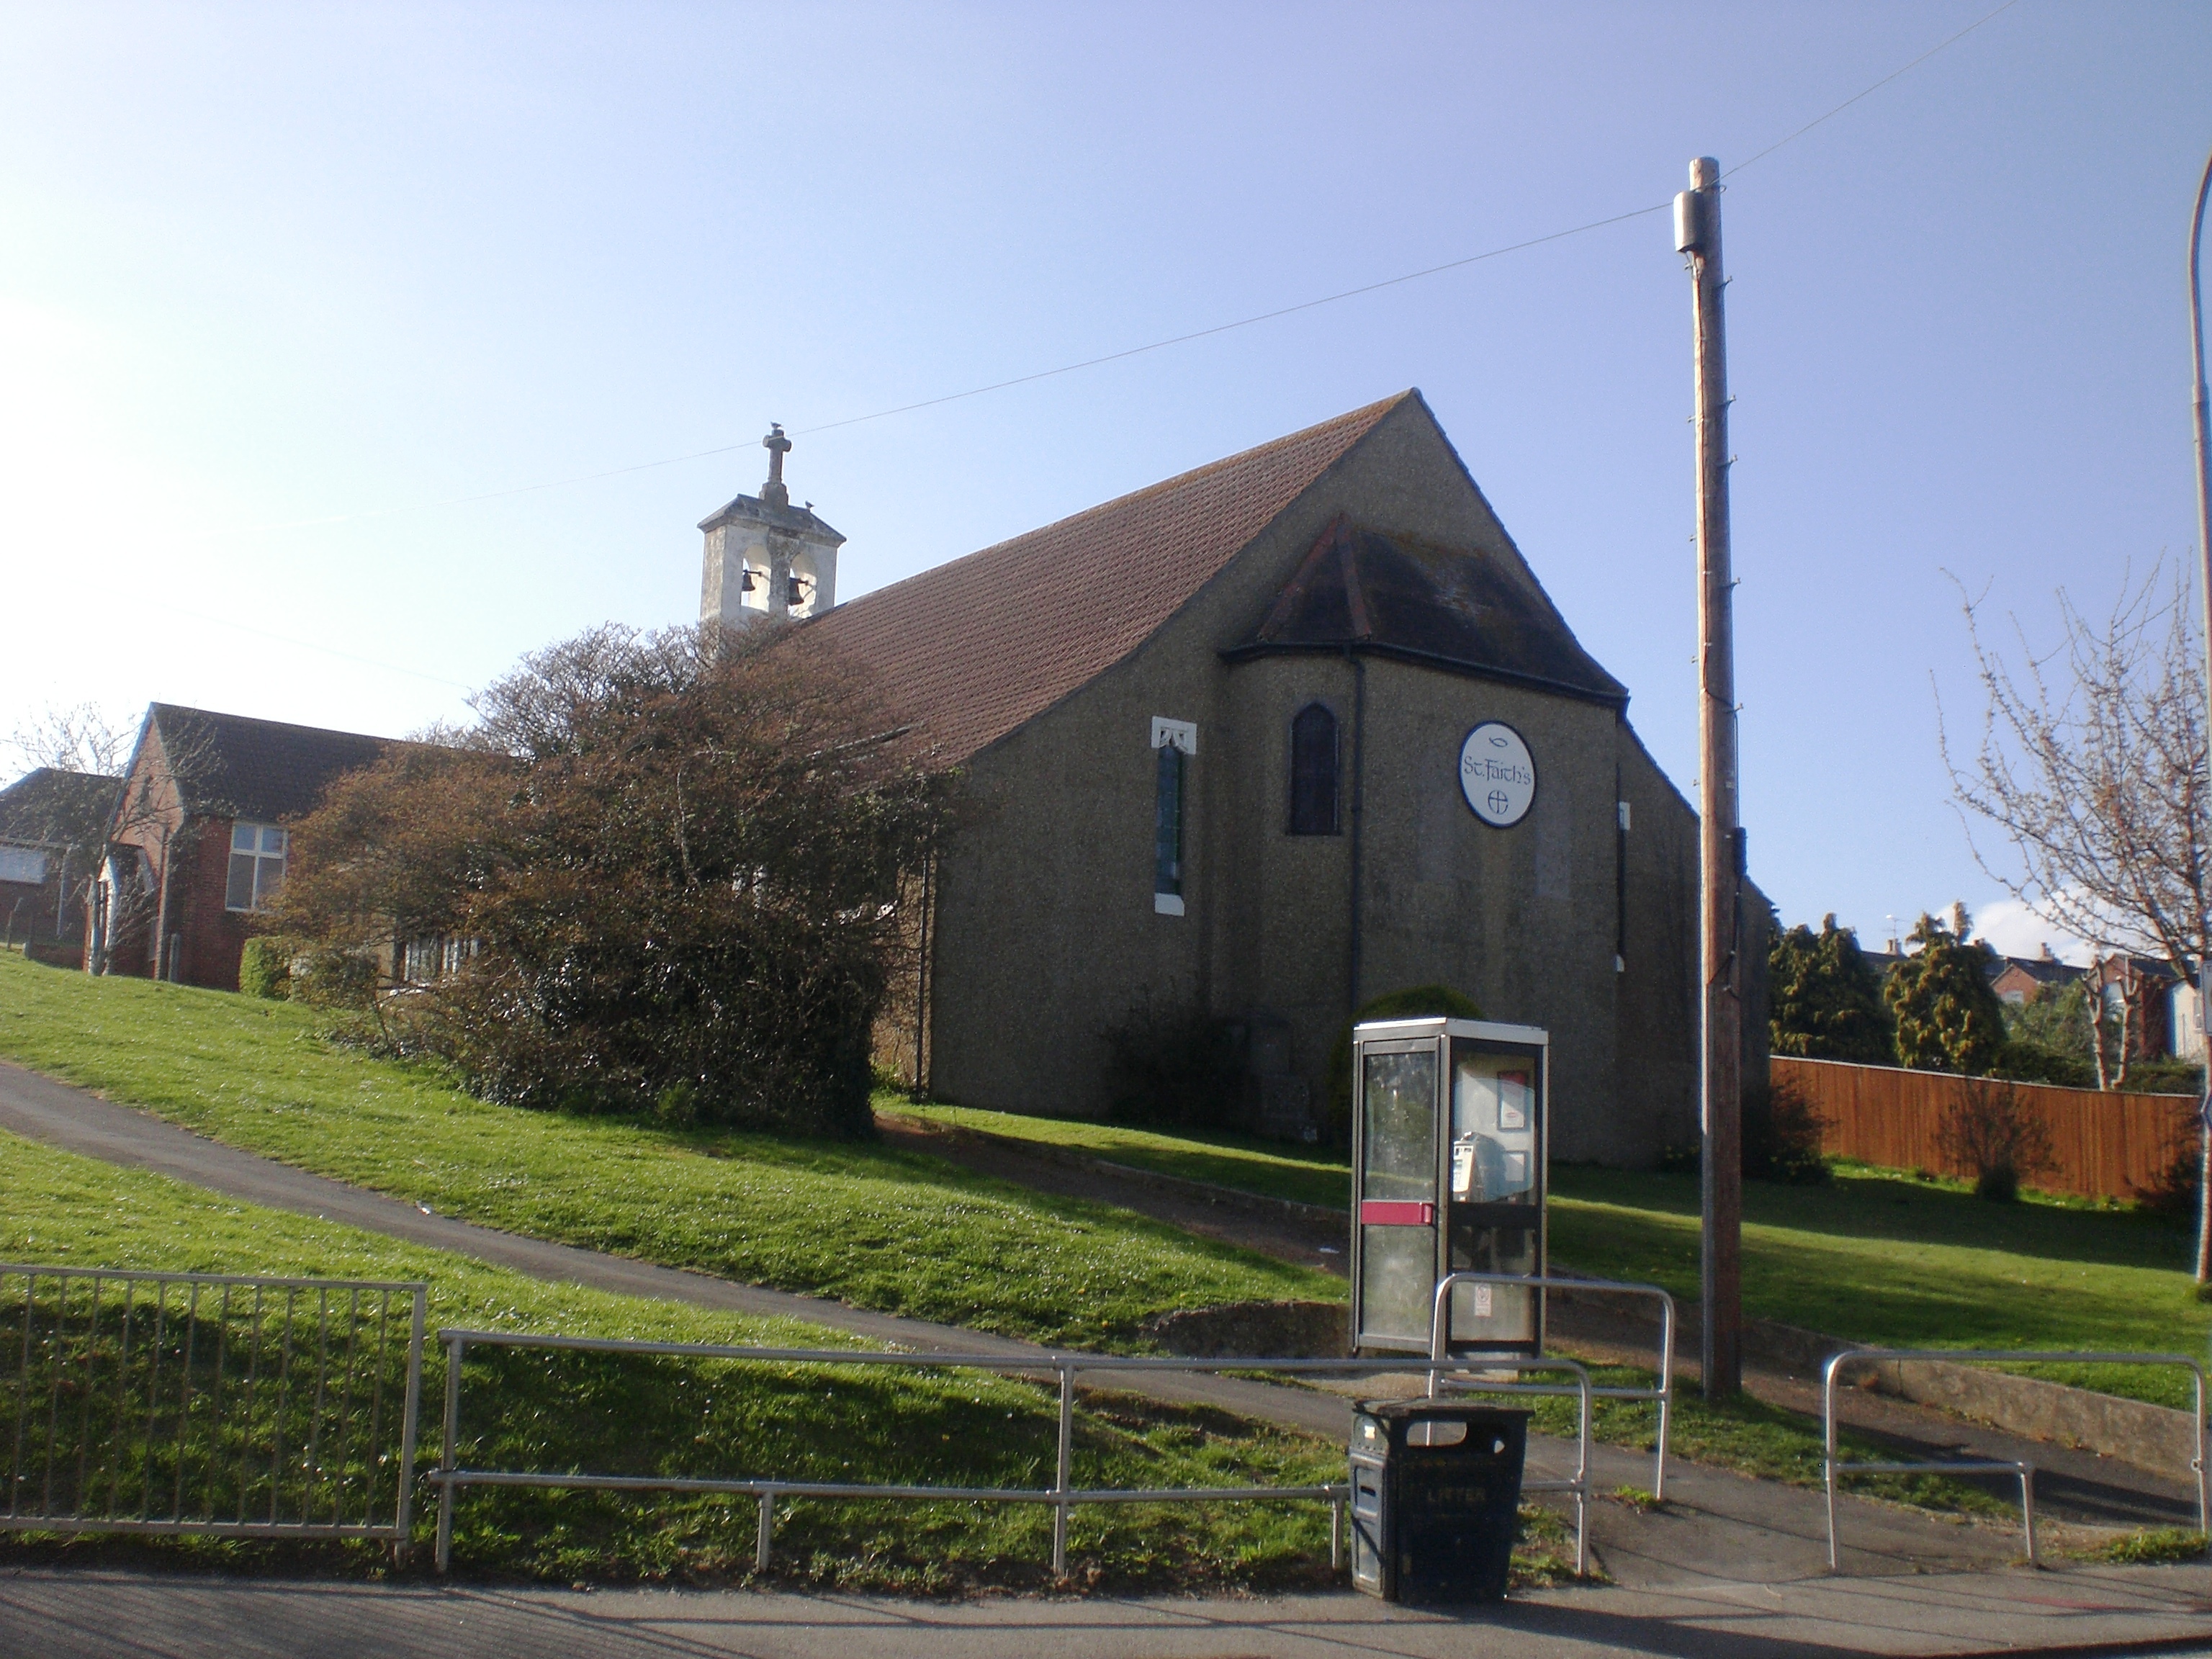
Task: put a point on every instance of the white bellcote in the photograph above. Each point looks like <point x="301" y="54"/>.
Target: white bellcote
<point x="765" y="559"/>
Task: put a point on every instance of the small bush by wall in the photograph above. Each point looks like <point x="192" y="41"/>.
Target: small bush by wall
<point x="1413" y="1003"/>
<point x="264" y="969"/>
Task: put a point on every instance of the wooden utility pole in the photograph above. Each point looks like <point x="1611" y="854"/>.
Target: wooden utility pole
<point x="1720" y="840"/>
<point x="2204" y="598"/>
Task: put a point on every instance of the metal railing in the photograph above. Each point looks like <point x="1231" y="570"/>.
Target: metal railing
<point x="2024" y="1471"/>
<point x="219" y="1403"/>
<point x="1663" y="1391"/>
<point x="1063" y="1496"/>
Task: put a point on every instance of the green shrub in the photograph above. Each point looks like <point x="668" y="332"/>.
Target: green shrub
<point x="330" y="978"/>
<point x="264" y="969"/>
<point x="1412" y="1003"/>
<point x="2026" y="1060"/>
<point x="2168" y="1074"/>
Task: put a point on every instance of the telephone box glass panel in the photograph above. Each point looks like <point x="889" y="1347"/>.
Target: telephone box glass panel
<point x="1398" y="1191"/>
<point x="1497" y="1185"/>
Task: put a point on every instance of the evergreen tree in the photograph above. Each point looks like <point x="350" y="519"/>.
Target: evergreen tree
<point x="1824" y="1000"/>
<point x="1948" y="1019"/>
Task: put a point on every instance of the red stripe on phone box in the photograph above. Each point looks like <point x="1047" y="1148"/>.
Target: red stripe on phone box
<point x="1397" y="1212"/>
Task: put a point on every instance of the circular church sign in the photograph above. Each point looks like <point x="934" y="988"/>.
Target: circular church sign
<point x="1497" y="774"/>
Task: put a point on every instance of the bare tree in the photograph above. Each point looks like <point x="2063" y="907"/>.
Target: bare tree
<point x="2091" y="761"/>
<point x="73" y="739"/>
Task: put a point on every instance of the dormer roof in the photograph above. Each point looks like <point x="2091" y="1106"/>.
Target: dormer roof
<point x="1459" y="609"/>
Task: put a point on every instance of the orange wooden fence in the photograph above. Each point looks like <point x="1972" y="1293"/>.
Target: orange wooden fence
<point x="2102" y="1144"/>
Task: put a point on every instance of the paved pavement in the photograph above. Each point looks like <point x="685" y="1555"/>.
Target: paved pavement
<point x="1762" y="1532"/>
<point x="105" y="1614"/>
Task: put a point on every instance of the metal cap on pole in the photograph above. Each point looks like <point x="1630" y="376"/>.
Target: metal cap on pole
<point x="1720" y="1094"/>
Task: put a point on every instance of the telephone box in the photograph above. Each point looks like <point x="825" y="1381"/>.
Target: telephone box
<point x="1449" y="1125"/>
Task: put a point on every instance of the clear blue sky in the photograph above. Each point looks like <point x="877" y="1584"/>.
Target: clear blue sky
<point x="277" y="284"/>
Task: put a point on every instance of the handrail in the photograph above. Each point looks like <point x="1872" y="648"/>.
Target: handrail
<point x="1063" y="1495"/>
<point x="1832" y="1468"/>
<point x="1662" y="1393"/>
<point x="219" y="1437"/>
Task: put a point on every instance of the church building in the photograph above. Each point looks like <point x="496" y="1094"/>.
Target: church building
<point x="1256" y="745"/>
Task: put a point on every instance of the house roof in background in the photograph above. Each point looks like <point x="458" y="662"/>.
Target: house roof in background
<point x="49" y="807"/>
<point x="1455" y="608"/>
<point x="235" y="766"/>
<point x="975" y="647"/>
<point x="2044" y="970"/>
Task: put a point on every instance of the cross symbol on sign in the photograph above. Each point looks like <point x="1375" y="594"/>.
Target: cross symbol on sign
<point x="1500" y="802"/>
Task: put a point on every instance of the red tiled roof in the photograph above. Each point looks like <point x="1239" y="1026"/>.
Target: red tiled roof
<point x="975" y="648"/>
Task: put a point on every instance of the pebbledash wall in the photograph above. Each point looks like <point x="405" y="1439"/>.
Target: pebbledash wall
<point x="1046" y="927"/>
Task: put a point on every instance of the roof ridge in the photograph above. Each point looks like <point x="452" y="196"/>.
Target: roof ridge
<point x="161" y="708"/>
<point x="1356" y="421"/>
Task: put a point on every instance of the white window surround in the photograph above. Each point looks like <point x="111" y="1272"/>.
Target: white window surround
<point x="1174" y="734"/>
<point x="1181" y="736"/>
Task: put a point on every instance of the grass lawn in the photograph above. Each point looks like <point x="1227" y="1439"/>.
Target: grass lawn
<point x="874" y="1227"/>
<point x="1304" y="1175"/>
<point x="882" y="1229"/>
<point x="1876" y="1257"/>
<point x="664" y="1416"/>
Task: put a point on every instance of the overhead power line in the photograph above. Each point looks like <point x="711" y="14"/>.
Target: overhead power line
<point x="1162" y="344"/>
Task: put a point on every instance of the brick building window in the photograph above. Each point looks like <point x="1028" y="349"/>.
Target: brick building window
<point x="257" y="866"/>
<point x="23" y="863"/>
<point x="1174" y="741"/>
<point x="1313" y="772"/>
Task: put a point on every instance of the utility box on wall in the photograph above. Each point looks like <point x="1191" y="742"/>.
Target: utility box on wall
<point x="1448" y="1149"/>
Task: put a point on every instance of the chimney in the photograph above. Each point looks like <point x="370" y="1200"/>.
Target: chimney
<point x="766" y="560"/>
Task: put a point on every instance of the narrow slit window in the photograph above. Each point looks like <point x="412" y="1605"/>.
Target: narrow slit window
<point x="1313" y="772"/>
<point x="1167" y="839"/>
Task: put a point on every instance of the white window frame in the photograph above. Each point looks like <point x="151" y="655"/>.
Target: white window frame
<point x="266" y="845"/>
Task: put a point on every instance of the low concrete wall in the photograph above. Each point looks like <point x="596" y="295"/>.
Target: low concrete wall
<point x="2153" y="1437"/>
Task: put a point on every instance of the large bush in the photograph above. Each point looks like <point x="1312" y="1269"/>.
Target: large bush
<point x="1947" y="1018"/>
<point x="679" y="868"/>
<point x="1824" y="999"/>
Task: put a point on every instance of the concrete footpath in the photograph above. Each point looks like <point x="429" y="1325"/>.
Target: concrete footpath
<point x="100" y="1613"/>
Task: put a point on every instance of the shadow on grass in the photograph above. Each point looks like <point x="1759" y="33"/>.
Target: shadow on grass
<point x="1876" y="1206"/>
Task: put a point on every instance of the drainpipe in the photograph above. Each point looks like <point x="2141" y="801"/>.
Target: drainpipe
<point x="1358" y="802"/>
<point x="161" y="909"/>
<point x="921" y="981"/>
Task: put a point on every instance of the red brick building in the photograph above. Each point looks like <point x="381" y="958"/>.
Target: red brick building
<point x="198" y="840"/>
<point x="52" y="824"/>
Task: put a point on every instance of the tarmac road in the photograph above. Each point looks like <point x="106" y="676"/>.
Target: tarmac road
<point x="102" y="1614"/>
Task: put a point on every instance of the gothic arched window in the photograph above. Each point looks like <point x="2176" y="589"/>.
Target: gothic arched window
<point x="1313" y="772"/>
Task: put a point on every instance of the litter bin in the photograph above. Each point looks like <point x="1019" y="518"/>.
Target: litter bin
<point x="1436" y="1497"/>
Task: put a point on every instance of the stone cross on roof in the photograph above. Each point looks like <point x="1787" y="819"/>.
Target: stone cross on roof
<point x="773" y="491"/>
